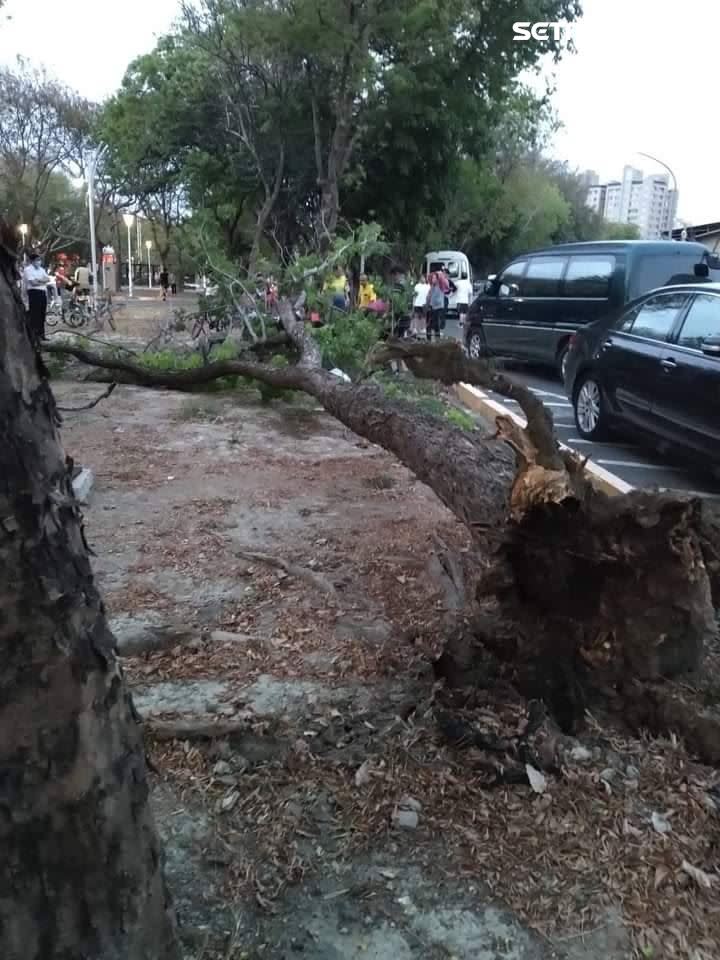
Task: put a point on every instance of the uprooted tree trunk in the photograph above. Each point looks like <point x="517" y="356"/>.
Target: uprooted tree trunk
<point x="81" y="867"/>
<point x="579" y="592"/>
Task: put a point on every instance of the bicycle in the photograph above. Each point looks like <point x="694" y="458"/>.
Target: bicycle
<point x="76" y="313"/>
<point x="79" y="312"/>
<point x="54" y="312"/>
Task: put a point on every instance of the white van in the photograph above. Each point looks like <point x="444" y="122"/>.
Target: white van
<point x="457" y="267"/>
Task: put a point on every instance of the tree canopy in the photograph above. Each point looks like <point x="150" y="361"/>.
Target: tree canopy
<point x="258" y="129"/>
<point x="282" y="122"/>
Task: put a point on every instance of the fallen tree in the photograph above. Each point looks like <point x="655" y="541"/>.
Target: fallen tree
<point x="579" y="594"/>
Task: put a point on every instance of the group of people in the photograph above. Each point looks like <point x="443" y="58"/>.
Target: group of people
<point x="168" y="282"/>
<point x="39" y="286"/>
<point x="430" y="300"/>
<point x="337" y="288"/>
<point x="431" y="297"/>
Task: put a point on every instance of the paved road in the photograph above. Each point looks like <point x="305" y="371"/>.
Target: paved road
<point x="636" y="464"/>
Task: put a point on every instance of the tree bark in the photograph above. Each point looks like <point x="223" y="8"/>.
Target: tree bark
<point x="263" y="215"/>
<point x="582" y="592"/>
<point x="81" y="866"/>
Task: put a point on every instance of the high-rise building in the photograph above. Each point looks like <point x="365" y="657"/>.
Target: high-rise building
<point x="646" y="201"/>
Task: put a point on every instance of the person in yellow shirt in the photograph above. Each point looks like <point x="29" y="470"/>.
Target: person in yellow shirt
<point x="366" y="292"/>
<point x="337" y="286"/>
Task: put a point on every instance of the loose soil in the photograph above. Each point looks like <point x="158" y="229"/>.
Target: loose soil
<point x="334" y="822"/>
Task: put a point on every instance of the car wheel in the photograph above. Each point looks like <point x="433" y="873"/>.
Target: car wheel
<point x="590" y="412"/>
<point x="562" y="359"/>
<point x="476" y="346"/>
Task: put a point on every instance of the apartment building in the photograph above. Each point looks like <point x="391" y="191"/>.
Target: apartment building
<point x="647" y="201"/>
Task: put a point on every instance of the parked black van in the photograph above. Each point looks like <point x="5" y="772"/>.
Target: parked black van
<point x="531" y="309"/>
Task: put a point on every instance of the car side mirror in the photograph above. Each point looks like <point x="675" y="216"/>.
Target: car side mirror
<point x="711" y="346"/>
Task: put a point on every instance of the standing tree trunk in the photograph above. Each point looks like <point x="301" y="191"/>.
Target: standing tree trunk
<point x="81" y="865"/>
<point x="271" y="194"/>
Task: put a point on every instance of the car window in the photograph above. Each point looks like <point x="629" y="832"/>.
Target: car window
<point x="702" y="321"/>
<point x="651" y="272"/>
<point x="654" y="318"/>
<point x="451" y="267"/>
<point x="511" y="274"/>
<point x="543" y="277"/>
<point x="589" y="277"/>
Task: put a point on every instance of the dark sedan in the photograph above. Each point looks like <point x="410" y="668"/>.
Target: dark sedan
<point x="654" y="367"/>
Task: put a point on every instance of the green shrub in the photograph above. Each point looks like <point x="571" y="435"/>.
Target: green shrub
<point x="346" y="340"/>
<point x="168" y="361"/>
<point x="460" y="418"/>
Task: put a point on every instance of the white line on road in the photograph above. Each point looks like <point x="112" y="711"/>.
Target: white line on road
<point x="548" y="403"/>
<point x="594" y="443"/>
<point x="640" y="466"/>
<point x="544" y="393"/>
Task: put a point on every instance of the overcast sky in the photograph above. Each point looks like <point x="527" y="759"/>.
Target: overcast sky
<point x="644" y="77"/>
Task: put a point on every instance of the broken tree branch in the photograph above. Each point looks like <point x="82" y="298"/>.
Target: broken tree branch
<point x="316" y="580"/>
<point x="194" y="729"/>
<point x="93" y="403"/>
<point x="447" y="363"/>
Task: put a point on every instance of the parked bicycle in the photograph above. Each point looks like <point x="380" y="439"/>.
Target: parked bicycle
<point x="80" y="311"/>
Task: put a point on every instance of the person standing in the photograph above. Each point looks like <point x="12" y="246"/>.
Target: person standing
<point x="36" y="280"/>
<point x="366" y="292"/>
<point x="420" y="297"/>
<point x="464" y="298"/>
<point x="173" y="284"/>
<point x="444" y="283"/>
<point x="338" y="287"/>
<point x="164" y="282"/>
<point x="435" y="309"/>
<point x="82" y="280"/>
<point x="60" y="280"/>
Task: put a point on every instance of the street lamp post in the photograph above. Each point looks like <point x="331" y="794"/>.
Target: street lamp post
<point x="148" y="244"/>
<point x="129" y="218"/>
<point x="675" y="187"/>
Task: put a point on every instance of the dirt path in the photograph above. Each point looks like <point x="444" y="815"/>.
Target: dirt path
<point x="334" y="823"/>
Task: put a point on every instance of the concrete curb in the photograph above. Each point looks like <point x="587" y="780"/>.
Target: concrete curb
<point x="478" y="401"/>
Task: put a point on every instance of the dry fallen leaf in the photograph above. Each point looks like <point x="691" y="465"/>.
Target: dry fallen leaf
<point x="660" y="823"/>
<point x="702" y="879"/>
<point x="362" y="774"/>
<point x="537" y="780"/>
<point x="229" y="801"/>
